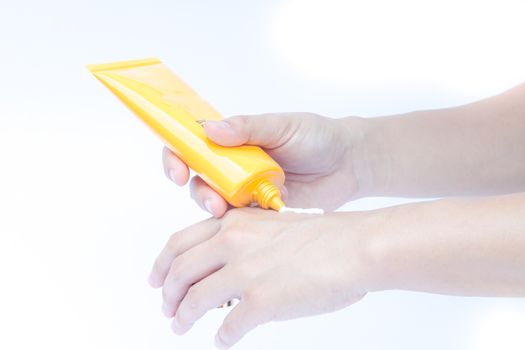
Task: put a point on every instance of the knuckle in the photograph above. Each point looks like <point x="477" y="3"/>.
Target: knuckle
<point x="239" y="121"/>
<point x="192" y="298"/>
<point x="228" y="238"/>
<point x="225" y="237"/>
<point x="253" y="297"/>
<point x="235" y="219"/>
<point x="177" y="268"/>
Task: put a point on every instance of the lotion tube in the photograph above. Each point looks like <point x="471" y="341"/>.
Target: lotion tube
<point x="241" y="175"/>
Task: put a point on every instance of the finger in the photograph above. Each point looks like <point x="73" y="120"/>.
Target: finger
<point x="207" y="198"/>
<point x="266" y="130"/>
<point x="244" y="317"/>
<point x="216" y="289"/>
<point x="174" y="168"/>
<point x="177" y="244"/>
<point x="188" y="269"/>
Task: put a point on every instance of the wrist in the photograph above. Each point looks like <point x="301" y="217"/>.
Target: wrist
<point x="367" y="155"/>
<point x="370" y="244"/>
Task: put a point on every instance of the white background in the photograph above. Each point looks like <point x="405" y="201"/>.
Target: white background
<point x="85" y="207"/>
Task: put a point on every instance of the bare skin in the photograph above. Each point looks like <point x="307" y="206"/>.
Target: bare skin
<point x="283" y="266"/>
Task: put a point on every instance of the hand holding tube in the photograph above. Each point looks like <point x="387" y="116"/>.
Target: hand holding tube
<point x="314" y="151"/>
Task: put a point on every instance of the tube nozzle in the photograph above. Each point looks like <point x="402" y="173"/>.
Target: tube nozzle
<point x="268" y="196"/>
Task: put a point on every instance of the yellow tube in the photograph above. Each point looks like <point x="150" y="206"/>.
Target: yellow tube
<point x="241" y="175"/>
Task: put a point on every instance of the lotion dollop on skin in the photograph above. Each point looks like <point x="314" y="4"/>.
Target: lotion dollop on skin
<point x="301" y="210"/>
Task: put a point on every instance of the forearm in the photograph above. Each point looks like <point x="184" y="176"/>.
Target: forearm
<point x="469" y="150"/>
<point x="472" y="247"/>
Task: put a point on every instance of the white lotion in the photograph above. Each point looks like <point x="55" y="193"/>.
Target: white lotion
<point x="301" y="210"/>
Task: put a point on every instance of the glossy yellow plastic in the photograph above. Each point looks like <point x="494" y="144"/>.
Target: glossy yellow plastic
<point x="241" y="175"/>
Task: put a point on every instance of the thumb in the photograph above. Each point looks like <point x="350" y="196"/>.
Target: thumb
<point x="265" y="130"/>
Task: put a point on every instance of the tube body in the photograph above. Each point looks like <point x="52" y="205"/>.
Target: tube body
<point x="241" y="175"/>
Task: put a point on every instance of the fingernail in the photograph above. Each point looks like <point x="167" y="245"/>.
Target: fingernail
<point x="153" y="281"/>
<point x="179" y="329"/>
<point x="175" y="327"/>
<point x="220" y="124"/>
<point x="171" y="174"/>
<point x="207" y="205"/>
<point x="218" y="343"/>
<point x="166" y="310"/>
